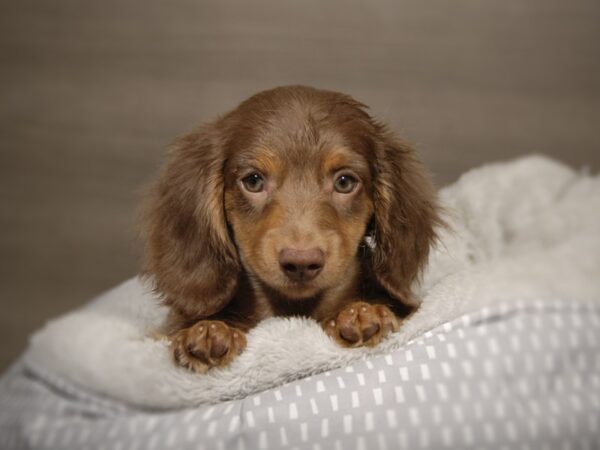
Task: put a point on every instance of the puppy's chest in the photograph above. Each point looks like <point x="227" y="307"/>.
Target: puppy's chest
<point x="248" y="308"/>
<point x="281" y="307"/>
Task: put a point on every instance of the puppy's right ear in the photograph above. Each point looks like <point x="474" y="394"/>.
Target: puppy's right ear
<point x="189" y="255"/>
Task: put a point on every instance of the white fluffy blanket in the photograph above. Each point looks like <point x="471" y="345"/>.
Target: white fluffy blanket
<point x="525" y="230"/>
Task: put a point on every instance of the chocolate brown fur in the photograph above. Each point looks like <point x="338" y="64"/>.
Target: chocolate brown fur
<point x="214" y="249"/>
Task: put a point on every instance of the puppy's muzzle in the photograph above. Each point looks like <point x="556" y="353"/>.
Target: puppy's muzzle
<point x="301" y="265"/>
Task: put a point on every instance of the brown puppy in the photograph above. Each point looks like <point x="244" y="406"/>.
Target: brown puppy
<point x="294" y="203"/>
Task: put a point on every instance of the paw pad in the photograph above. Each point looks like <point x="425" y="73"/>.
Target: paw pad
<point x="207" y="344"/>
<point x="361" y="324"/>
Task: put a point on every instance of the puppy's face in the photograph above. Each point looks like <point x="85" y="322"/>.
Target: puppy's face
<point x="298" y="197"/>
<point x="283" y="188"/>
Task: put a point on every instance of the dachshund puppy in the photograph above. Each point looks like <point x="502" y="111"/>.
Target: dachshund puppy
<point x="296" y="202"/>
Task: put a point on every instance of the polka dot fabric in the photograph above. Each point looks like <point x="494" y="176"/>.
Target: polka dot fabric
<point x="512" y="377"/>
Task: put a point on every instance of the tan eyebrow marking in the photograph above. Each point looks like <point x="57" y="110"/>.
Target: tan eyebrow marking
<point x="262" y="160"/>
<point x="267" y="163"/>
<point x="340" y="158"/>
<point x="334" y="160"/>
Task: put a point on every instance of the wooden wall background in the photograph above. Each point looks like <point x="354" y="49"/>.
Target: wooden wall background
<point x="92" y="92"/>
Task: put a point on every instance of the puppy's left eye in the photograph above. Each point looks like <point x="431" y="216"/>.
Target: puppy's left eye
<point x="345" y="184"/>
<point x="254" y="183"/>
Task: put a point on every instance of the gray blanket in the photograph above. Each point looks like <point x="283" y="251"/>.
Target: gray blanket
<point x="516" y="376"/>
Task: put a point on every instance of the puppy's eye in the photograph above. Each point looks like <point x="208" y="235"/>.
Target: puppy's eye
<point x="254" y="182"/>
<point x="345" y="184"/>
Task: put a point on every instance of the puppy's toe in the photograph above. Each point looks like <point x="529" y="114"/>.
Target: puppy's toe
<point x="361" y="324"/>
<point x="388" y="320"/>
<point x="370" y="330"/>
<point x="348" y="326"/>
<point x="219" y="346"/>
<point x="209" y="343"/>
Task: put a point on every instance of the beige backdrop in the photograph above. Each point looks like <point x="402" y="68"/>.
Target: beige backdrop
<point x="92" y="92"/>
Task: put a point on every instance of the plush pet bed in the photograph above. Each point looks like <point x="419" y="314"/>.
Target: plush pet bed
<point x="504" y="349"/>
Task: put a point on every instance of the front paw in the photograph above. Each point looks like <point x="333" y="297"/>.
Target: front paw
<point x="361" y="324"/>
<point x="206" y="344"/>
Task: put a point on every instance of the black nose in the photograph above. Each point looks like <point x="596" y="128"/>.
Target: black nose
<point x="301" y="265"/>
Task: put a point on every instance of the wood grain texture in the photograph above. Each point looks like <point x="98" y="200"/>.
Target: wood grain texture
<point x="92" y="92"/>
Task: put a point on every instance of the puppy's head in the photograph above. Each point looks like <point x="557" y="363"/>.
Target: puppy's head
<point x="286" y="187"/>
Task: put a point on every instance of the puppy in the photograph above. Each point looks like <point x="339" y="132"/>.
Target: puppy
<point x="296" y="202"/>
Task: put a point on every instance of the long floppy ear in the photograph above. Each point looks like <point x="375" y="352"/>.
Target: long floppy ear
<point x="189" y="254"/>
<point x="406" y="214"/>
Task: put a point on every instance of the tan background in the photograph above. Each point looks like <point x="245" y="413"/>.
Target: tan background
<point x="91" y="93"/>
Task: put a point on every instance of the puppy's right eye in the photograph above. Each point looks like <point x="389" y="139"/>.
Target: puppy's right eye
<point x="254" y="183"/>
<point x="345" y="184"/>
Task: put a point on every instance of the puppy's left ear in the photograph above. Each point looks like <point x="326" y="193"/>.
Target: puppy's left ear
<point x="405" y="218"/>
